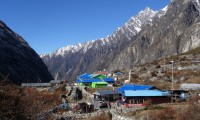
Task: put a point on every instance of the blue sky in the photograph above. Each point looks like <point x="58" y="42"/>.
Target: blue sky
<point x="50" y="24"/>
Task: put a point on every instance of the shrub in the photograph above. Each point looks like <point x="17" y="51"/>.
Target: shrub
<point x="135" y="76"/>
<point x="192" y="111"/>
<point x="63" y="87"/>
<point x="148" y="103"/>
<point x="153" y="74"/>
<point x="165" y="114"/>
<point x="157" y="66"/>
<point x="110" y="115"/>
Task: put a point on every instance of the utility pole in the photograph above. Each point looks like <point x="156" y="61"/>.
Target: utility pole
<point x="129" y="76"/>
<point x="164" y="64"/>
<point x="172" y="78"/>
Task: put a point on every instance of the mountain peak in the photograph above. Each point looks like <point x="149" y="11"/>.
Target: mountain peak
<point x="147" y="10"/>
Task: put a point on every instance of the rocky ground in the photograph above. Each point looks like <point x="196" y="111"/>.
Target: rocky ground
<point x="186" y="69"/>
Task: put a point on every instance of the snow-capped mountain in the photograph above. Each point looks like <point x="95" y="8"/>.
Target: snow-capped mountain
<point x="101" y="47"/>
<point x="66" y="60"/>
<point x="129" y="29"/>
<point x="144" y="38"/>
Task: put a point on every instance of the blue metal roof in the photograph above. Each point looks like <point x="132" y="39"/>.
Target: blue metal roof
<point x="144" y="93"/>
<point x="89" y="80"/>
<point x="135" y="87"/>
<point x="109" y="80"/>
<point x="85" y="76"/>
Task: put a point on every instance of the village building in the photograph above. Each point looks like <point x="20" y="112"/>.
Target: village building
<point x="108" y="95"/>
<point x="134" y="95"/>
<point x="94" y="80"/>
<point x="189" y="89"/>
<point x="102" y="98"/>
<point x="190" y="86"/>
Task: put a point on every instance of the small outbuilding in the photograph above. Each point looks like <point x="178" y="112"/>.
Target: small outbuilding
<point x="35" y="85"/>
<point x="108" y="95"/>
<point x="190" y="86"/>
<point x="142" y="96"/>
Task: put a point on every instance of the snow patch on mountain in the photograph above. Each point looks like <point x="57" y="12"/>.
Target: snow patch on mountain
<point x="162" y="12"/>
<point x="165" y="9"/>
<point x="197" y="1"/>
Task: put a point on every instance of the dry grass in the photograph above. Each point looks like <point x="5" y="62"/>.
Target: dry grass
<point x="25" y="103"/>
<point x="46" y="99"/>
<point x="186" y="111"/>
<point x="164" y="114"/>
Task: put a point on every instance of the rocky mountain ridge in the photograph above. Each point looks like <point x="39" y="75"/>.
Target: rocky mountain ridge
<point x="18" y="61"/>
<point x="174" y="33"/>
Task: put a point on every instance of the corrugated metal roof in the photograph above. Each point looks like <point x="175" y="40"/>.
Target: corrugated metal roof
<point x="144" y="93"/>
<point x="35" y="84"/>
<point x="190" y="86"/>
<point x="55" y="81"/>
<point x="135" y="87"/>
<point x="106" y="92"/>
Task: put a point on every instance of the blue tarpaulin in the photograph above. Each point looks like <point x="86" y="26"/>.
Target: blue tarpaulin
<point x="118" y="73"/>
<point x="135" y="87"/>
<point x="109" y="80"/>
